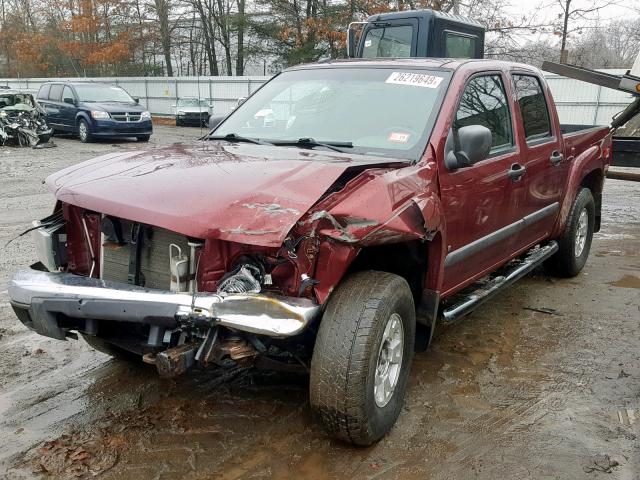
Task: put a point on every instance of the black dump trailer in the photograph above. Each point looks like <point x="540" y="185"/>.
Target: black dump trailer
<point x="416" y="33"/>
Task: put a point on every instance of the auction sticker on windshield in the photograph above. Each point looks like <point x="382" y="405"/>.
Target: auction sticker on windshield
<point x="414" y="79"/>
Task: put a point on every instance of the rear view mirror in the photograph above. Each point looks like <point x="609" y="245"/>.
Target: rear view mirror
<point x="68" y="100"/>
<point x="241" y="100"/>
<point x="137" y="100"/>
<point x="467" y="146"/>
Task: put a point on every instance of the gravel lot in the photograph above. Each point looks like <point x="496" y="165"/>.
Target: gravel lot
<point x="510" y="392"/>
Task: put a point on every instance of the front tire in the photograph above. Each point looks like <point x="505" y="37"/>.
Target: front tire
<point x="362" y="356"/>
<point x="575" y="241"/>
<point x="83" y="131"/>
<point x="143" y="138"/>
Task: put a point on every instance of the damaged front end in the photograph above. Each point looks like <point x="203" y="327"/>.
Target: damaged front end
<point x="173" y="299"/>
<point x="22" y="121"/>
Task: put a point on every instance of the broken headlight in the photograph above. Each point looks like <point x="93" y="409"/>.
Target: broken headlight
<point x="50" y="237"/>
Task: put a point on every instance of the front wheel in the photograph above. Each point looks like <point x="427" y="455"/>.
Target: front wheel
<point x="143" y="138"/>
<point x="362" y="356"/>
<point x="575" y="241"/>
<point x="83" y="131"/>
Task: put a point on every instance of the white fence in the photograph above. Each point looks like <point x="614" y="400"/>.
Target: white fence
<point x="582" y="103"/>
<point x="578" y="102"/>
<point x="158" y="94"/>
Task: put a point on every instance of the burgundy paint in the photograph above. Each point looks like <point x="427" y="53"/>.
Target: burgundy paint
<point x="248" y="198"/>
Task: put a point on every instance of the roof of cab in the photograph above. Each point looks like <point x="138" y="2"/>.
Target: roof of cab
<point x="449" y="17"/>
<point x="426" y="63"/>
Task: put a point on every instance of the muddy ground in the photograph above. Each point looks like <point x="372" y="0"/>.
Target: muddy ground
<point x="510" y="392"/>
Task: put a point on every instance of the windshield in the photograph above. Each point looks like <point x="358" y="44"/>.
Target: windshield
<point x="394" y="42"/>
<point x="102" y="93"/>
<point x="192" y="102"/>
<point x="381" y="111"/>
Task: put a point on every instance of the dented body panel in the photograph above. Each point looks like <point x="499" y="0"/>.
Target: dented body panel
<point x="248" y="194"/>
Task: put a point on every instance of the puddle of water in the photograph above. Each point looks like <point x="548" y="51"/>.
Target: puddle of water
<point x="628" y="281"/>
<point x="628" y="416"/>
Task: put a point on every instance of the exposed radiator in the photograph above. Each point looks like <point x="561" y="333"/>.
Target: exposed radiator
<point x="154" y="261"/>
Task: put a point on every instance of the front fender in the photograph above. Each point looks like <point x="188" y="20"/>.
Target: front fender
<point x="378" y="207"/>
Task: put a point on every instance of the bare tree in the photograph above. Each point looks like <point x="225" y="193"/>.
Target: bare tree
<point x="570" y="13"/>
<point x="163" y="7"/>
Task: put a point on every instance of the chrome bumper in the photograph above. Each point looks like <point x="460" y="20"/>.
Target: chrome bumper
<point x="38" y="297"/>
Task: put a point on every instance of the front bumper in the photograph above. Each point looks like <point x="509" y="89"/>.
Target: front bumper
<point x="40" y="298"/>
<point x="113" y="128"/>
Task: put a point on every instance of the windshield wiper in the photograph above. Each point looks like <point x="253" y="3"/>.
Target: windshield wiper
<point x="232" y="137"/>
<point x="310" y="142"/>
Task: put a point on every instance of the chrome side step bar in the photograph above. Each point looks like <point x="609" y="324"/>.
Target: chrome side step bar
<point x="466" y="301"/>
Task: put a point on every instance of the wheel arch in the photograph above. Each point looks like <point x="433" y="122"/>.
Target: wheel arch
<point x="83" y="116"/>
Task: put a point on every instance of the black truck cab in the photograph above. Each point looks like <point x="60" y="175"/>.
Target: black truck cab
<point x="416" y="33"/>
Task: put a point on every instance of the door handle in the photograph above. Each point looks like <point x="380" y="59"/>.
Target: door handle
<point x="556" y="158"/>
<point x="516" y="172"/>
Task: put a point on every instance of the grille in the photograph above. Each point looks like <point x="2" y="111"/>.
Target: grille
<point x="126" y="116"/>
<point x="130" y="130"/>
<point x="154" y="261"/>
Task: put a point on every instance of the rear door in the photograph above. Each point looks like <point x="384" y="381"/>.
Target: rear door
<point x="53" y="105"/>
<point x="68" y="110"/>
<point x="478" y="200"/>
<point x="541" y="188"/>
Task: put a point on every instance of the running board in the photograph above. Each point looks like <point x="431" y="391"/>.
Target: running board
<point x="463" y="303"/>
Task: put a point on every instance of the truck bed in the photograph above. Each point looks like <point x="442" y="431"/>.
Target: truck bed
<point x="578" y="138"/>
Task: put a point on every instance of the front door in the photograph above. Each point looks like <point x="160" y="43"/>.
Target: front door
<point x="478" y="200"/>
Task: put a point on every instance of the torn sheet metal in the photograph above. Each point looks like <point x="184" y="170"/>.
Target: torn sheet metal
<point x="378" y="207"/>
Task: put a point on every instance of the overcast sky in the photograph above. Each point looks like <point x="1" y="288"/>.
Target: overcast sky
<point x="548" y="10"/>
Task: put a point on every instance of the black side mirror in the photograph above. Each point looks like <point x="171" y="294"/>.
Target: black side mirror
<point x="467" y="146"/>
<point x="137" y="100"/>
<point x="68" y="100"/>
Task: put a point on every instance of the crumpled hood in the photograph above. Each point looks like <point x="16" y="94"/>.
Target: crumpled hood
<point x="244" y="193"/>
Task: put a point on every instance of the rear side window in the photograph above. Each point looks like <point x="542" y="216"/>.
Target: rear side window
<point x="392" y="42"/>
<point x="533" y="107"/>
<point x="484" y="102"/>
<point x="459" y="46"/>
<point x="56" y="92"/>
<point x="43" y="93"/>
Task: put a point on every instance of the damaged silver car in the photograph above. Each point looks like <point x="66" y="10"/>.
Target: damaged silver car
<point x="22" y="120"/>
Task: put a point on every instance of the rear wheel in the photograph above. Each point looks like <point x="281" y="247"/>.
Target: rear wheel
<point x="362" y="356"/>
<point x="83" y="131"/>
<point x="575" y="241"/>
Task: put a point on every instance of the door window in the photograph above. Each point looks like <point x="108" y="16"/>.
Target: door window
<point x="67" y="93"/>
<point x="533" y="107"/>
<point x="392" y="42"/>
<point x="459" y="46"/>
<point x="56" y="92"/>
<point x="484" y="102"/>
<point x="43" y="93"/>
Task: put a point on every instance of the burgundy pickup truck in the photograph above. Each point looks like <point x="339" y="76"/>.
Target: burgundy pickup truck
<point x="328" y="224"/>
